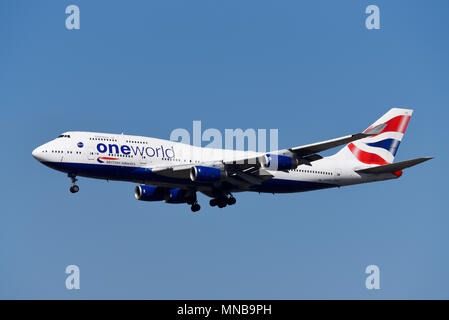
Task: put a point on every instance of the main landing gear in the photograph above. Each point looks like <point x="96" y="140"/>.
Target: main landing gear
<point x="223" y="201"/>
<point x="195" y="207"/>
<point x="73" y="188"/>
<point x="194" y="204"/>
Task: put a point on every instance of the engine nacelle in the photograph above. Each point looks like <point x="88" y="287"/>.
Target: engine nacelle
<point x="208" y="174"/>
<point x="278" y="162"/>
<point x="149" y="193"/>
<point x="178" y="195"/>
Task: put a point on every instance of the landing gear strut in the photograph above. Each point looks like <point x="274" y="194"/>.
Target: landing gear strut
<point x="194" y="203"/>
<point x="73" y="188"/>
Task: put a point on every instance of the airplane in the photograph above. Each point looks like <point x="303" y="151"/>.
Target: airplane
<point x="174" y="172"/>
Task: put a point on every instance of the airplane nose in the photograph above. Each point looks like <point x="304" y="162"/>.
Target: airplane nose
<point x="35" y="153"/>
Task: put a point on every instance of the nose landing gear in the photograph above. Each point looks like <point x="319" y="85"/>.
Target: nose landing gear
<point x="73" y="188"/>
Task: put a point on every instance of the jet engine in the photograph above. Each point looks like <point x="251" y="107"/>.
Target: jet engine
<point x="178" y="195"/>
<point x="175" y="195"/>
<point x="206" y="174"/>
<point x="279" y="162"/>
<point x="149" y="193"/>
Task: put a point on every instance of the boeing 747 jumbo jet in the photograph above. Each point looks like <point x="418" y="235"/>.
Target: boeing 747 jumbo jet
<point x="174" y="172"/>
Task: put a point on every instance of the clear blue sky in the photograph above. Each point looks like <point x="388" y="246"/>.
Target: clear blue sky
<point x="309" y="68"/>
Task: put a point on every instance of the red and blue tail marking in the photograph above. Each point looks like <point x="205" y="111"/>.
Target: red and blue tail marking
<point x="382" y="148"/>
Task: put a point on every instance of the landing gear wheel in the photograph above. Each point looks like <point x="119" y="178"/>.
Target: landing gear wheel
<point x="231" y="200"/>
<point x="74" y="188"/>
<point x="221" y="204"/>
<point x="195" y="207"/>
<point x="222" y="201"/>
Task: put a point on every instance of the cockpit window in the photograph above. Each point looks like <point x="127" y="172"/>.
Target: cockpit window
<point x="64" y="136"/>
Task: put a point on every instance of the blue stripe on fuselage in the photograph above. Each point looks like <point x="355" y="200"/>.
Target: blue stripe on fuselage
<point x="142" y="175"/>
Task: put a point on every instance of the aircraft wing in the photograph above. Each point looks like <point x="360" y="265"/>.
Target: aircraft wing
<point x="308" y="153"/>
<point x="248" y="172"/>
<point x="242" y="176"/>
<point x="314" y="148"/>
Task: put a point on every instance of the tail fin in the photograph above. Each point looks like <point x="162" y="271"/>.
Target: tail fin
<point x="381" y="148"/>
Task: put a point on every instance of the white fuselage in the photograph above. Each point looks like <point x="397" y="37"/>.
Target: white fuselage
<point x="136" y="159"/>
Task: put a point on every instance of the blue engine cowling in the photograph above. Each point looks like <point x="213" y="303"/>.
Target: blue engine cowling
<point x="279" y="163"/>
<point x="207" y="174"/>
<point x="149" y="193"/>
<point x="178" y="195"/>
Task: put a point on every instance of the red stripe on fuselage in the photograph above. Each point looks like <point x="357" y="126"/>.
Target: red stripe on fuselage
<point x="108" y="158"/>
<point x="366" y="157"/>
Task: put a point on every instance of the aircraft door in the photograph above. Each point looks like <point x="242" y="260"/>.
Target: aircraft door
<point x="337" y="174"/>
<point x="91" y="152"/>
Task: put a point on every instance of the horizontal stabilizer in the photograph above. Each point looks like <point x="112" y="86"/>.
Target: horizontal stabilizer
<point x="388" y="168"/>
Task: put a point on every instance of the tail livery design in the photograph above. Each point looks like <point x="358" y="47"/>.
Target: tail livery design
<point x="380" y="149"/>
